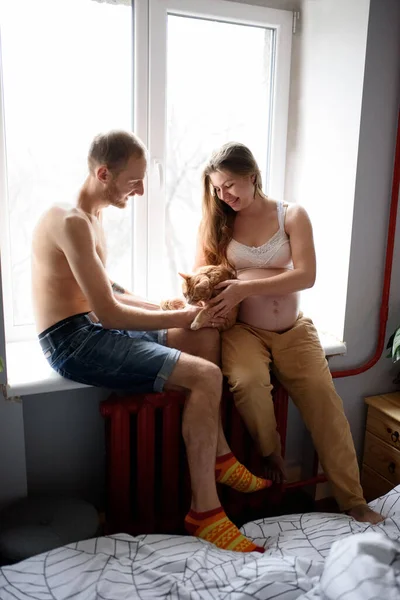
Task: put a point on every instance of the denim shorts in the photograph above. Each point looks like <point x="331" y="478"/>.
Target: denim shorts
<point x="130" y="361"/>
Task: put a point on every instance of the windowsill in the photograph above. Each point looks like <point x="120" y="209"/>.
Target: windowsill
<point x="29" y="373"/>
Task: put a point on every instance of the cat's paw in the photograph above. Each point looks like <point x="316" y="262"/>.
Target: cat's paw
<point x="201" y="320"/>
<point x="174" y="304"/>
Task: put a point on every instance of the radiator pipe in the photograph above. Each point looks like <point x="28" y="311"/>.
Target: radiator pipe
<point x="384" y="310"/>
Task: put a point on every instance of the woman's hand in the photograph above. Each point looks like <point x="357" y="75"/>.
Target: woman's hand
<point x="233" y="292"/>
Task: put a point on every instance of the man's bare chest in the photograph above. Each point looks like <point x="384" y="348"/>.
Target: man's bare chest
<point x="100" y="241"/>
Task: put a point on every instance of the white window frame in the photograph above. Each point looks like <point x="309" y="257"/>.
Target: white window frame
<point x="150" y="45"/>
<point x="151" y="19"/>
<point x="23" y="333"/>
<point x="12" y="333"/>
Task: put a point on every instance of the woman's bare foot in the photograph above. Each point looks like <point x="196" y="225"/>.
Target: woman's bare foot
<point x="365" y="514"/>
<point x="274" y="468"/>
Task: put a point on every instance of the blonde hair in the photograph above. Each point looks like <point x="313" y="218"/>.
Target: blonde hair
<point x="216" y="229"/>
<point x="114" y="149"/>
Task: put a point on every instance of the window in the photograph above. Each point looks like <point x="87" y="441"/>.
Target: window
<point x="68" y="74"/>
<point x="204" y="57"/>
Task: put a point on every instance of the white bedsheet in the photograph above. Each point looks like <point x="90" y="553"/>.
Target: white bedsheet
<point x="308" y="557"/>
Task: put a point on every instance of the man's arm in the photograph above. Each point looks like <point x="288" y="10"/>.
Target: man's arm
<point x="125" y="297"/>
<point x="78" y="244"/>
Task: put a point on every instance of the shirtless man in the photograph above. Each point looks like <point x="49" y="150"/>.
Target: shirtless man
<point x="92" y="335"/>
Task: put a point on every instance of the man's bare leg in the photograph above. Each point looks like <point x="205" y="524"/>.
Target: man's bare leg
<point x="205" y="343"/>
<point x="203" y="382"/>
<point x="206" y="519"/>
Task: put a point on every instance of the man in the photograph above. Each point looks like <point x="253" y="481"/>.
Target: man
<point x="90" y="334"/>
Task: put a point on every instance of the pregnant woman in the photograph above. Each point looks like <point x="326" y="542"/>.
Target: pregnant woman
<point x="270" y="244"/>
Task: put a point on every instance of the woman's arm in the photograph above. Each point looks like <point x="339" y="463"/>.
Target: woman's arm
<point x="299" y="229"/>
<point x="302" y="276"/>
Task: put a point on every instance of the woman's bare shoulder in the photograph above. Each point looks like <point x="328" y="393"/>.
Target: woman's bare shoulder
<point x="296" y="218"/>
<point x="295" y="211"/>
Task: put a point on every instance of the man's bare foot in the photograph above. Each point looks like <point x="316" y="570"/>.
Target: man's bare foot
<point x="365" y="514"/>
<point x="274" y="468"/>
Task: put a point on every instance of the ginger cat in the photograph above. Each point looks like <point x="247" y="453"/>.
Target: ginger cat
<point x="200" y="287"/>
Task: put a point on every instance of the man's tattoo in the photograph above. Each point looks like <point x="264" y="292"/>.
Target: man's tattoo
<point x="117" y="288"/>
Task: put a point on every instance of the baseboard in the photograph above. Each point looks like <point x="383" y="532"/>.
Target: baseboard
<point x="294" y="473"/>
<point x="323" y="490"/>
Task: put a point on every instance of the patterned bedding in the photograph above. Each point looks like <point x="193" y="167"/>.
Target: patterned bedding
<point x="308" y="557"/>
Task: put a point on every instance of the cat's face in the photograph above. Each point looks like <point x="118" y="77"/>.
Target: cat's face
<point x="199" y="287"/>
<point x="196" y="288"/>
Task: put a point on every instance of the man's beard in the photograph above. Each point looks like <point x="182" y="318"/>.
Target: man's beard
<point x="114" y="196"/>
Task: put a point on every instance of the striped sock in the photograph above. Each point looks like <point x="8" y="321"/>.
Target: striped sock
<point x="215" y="527"/>
<point x="229" y="471"/>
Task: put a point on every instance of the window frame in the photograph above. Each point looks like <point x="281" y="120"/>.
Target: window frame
<point x="154" y="23"/>
<point x="149" y="119"/>
<point x="12" y="332"/>
<point x="25" y="333"/>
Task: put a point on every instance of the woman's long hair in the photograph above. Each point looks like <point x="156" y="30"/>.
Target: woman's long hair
<point x="216" y="229"/>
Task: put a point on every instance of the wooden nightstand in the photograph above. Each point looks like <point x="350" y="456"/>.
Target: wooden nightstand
<point x="381" y="462"/>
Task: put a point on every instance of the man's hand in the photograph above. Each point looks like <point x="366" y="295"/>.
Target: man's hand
<point x="188" y="315"/>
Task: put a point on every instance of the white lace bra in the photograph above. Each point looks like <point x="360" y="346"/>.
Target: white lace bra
<point x="274" y="254"/>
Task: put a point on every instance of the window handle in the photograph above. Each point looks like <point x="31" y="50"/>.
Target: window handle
<point x="159" y="170"/>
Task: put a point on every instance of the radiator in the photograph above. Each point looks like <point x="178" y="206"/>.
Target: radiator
<point x="148" y="485"/>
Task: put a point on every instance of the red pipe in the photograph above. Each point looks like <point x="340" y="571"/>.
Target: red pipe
<point x="383" y="317"/>
<point x="321" y="478"/>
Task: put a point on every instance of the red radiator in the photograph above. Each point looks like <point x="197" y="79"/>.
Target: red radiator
<point x="148" y="486"/>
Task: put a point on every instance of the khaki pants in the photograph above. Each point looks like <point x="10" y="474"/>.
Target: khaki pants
<point x="298" y="361"/>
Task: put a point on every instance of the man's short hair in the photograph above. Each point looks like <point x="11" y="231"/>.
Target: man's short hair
<point x="114" y="149"/>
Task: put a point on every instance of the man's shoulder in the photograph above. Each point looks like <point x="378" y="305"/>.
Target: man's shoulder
<point x="75" y="216"/>
<point x="68" y="219"/>
<point x="62" y="222"/>
<point x="57" y="213"/>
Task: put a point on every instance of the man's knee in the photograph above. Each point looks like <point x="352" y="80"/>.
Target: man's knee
<point x="208" y="375"/>
<point x="207" y="343"/>
<point x="197" y="374"/>
<point x="208" y="335"/>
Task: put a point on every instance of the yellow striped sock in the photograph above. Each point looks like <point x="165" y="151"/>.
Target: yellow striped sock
<point x="215" y="527"/>
<point x="229" y="471"/>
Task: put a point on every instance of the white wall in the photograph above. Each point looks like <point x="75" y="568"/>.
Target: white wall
<point x="380" y="106"/>
<point x="64" y="438"/>
<point x="346" y="71"/>
<point x="13" y="483"/>
<point x="326" y="93"/>
<point x="64" y="432"/>
<point x="371" y="160"/>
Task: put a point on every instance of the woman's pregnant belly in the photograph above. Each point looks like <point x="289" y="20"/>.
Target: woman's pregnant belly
<point x="273" y="313"/>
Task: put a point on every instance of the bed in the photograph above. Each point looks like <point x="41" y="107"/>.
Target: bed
<point x="309" y="556"/>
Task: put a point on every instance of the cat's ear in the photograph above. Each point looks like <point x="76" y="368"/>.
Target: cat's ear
<point x="203" y="284"/>
<point x="184" y="276"/>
